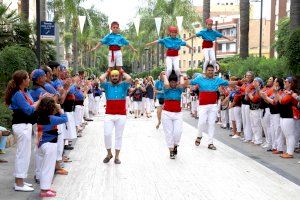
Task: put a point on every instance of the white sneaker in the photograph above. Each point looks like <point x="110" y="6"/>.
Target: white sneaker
<point x="25" y="188"/>
<point x="235" y="136"/>
<point x="28" y="184"/>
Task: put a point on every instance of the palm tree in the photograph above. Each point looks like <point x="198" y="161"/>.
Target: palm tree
<point x="244" y="28"/>
<point x="295" y="14"/>
<point x="206" y="11"/>
<point x="25" y="9"/>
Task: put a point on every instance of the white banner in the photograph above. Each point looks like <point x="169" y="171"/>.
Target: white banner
<point x="136" y="22"/>
<point x="158" y="24"/>
<point x="81" y="22"/>
<point x="179" y="20"/>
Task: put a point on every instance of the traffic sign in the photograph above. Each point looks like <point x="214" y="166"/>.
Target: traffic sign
<point x="47" y="30"/>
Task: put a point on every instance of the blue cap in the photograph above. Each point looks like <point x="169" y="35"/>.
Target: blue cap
<point x="37" y="73"/>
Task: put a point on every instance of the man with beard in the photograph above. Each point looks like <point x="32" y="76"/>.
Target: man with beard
<point x="115" y="114"/>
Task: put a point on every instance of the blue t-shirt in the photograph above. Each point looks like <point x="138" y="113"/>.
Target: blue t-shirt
<point x="50" y="89"/>
<point x="173" y="93"/>
<point x="35" y="93"/>
<point x="209" y="84"/>
<point x="172" y="43"/>
<point x="115" y="91"/>
<point x="114" y="39"/>
<point x="54" y="121"/>
<point x="19" y="102"/>
<point x="159" y="85"/>
<point x="209" y="35"/>
<point x="57" y="83"/>
<point x="78" y="94"/>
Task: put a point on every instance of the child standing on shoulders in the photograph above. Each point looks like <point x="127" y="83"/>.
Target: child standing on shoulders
<point x="209" y="36"/>
<point x="173" y="44"/>
<point x="49" y="116"/>
<point x="115" y="41"/>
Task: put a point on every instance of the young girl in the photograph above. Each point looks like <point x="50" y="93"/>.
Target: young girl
<point x="173" y="44"/>
<point x="49" y="116"/>
<point x="171" y="114"/>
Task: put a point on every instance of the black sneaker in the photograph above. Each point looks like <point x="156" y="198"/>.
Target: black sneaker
<point x="175" y="149"/>
<point x="172" y="155"/>
<point x="68" y="147"/>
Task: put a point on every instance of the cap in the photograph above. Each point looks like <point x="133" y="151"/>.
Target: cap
<point x="209" y="21"/>
<point x="173" y="29"/>
<point x="37" y="73"/>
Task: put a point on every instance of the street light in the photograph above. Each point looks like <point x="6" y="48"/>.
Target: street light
<point x="148" y="59"/>
<point x="38" y="32"/>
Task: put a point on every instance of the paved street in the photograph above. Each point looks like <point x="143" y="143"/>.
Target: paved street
<point x="147" y="172"/>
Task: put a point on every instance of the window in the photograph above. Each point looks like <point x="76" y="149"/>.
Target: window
<point x="231" y="3"/>
<point x="179" y="63"/>
<point x="219" y="47"/>
<point x="183" y="51"/>
<point x="184" y="63"/>
<point x="190" y="63"/>
<point x="226" y="3"/>
<point x="199" y="49"/>
<point x="184" y="35"/>
<point x="190" y="51"/>
<point x="199" y="63"/>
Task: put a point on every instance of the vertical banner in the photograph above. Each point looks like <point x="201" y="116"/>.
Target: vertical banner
<point x="136" y="22"/>
<point x="158" y="24"/>
<point x="179" y="20"/>
<point x="81" y="22"/>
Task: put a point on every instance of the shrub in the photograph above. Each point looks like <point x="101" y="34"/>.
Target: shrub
<point x="191" y="72"/>
<point x="6" y="116"/>
<point x="14" y="58"/>
<point x="293" y="51"/>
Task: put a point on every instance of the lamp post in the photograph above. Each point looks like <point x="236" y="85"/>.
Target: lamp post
<point x="260" y="27"/>
<point x="38" y="32"/>
<point x="147" y="59"/>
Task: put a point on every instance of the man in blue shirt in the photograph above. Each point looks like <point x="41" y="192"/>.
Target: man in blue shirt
<point x="208" y="86"/>
<point x="115" y="41"/>
<point x="115" y="114"/>
<point x="159" y="93"/>
<point x="209" y="36"/>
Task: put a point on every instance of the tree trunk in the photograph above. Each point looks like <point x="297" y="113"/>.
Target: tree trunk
<point x="75" y="44"/>
<point x="244" y="28"/>
<point x="25" y="9"/>
<point x="43" y="10"/>
<point x="295" y="14"/>
<point x="206" y="11"/>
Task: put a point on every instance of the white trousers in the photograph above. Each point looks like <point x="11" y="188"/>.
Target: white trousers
<point x="297" y="132"/>
<point x="137" y="105"/>
<point x="70" y="127"/>
<point x="118" y="61"/>
<point x="48" y="152"/>
<point x="172" y="124"/>
<point x="37" y="158"/>
<point x="149" y="104"/>
<point x="112" y="122"/>
<point x="96" y="109"/>
<point x="79" y="110"/>
<point x="60" y="141"/>
<point x="224" y="117"/>
<point x="209" y="57"/>
<point x="23" y="135"/>
<point x="194" y="106"/>
<point x="86" y="113"/>
<point x="172" y="61"/>
<point x="91" y="102"/>
<point x="276" y="133"/>
<point x="128" y="104"/>
<point x="266" y="124"/>
<point x="246" y="122"/>
<point x="236" y="115"/>
<point x="255" y="120"/>
<point x="288" y="128"/>
<point x="207" y="117"/>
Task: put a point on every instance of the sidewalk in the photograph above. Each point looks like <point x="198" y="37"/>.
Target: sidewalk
<point x="147" y="172"/>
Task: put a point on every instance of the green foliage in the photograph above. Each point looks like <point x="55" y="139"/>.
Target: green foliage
<point x="262" y="67"/>
<point x="13" y="58"/>
<point x="191" y="72"/>
<point x="293" y="52"/>
<point x="6" y="116"/>
<point x="282" y="34"/>
<point x="156" y="71"/>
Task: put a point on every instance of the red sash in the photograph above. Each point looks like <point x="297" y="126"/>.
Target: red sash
<point x="114" y="48"/>
<point x="70" y="97"/>
<point x="207" y="44"/>
<point x="172" y="52"/>
<point x="172" y="105"/>
<point x="206" y="98"/>
<point x="116" y="107"/>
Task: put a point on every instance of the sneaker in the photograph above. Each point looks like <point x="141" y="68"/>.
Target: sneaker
<point x="49" y="193"/>
<point x="67" y="147"/>
<point x="175" y="149"/>
<point x="28" y="184"/>
<point x="117" y="161"/>
<point x="211" y="147"/>
<point x="235" y="136"/>
<point x="172" y="155"/>
<point x="24" y="188"/>
<point x="107" y="159"/>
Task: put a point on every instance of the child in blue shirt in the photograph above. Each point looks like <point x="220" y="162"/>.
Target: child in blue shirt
<point x="115" y="41"/>
<point x="209" y="36"/>
<point x="173" y="44"/>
